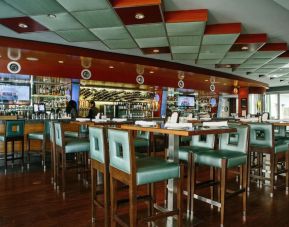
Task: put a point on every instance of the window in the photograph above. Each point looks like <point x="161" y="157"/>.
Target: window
<point x="271" y="105"/>
<point x="255" y="103"/>
<point x="284" y="106"/>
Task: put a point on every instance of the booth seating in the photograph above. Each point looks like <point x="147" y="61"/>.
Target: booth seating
<point x="40" y="136"/>
<point x="124" y="167"/>
<point x="65" y="147"/>
<point x="262" y="141"/>
<point x="14" y="131"/>
<point x="229" y="155"/>
<point x="99" y="163"/>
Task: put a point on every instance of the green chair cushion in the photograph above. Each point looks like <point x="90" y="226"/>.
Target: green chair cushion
<point x="151" y="169"/>
<point x="140" y="155"/>
<point x="2" y="138"/>
<point x="71" y="134"/>
<point x="214" y="158"/>
<point x="281" y="147"/>
<point x="140" y="142"/>
<point x="36" y="136"/>
<point x="185" y="139"/>
<point x="73" y="146"/>
<point x="185" y="150"/>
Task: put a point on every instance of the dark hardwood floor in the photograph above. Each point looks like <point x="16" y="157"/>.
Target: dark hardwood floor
<point x="28" y="199"/>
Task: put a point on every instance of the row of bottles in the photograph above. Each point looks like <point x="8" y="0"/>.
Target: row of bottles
<point x="42" y="89"/>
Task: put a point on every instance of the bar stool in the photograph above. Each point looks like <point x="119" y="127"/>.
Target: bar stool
<point x="53" y="155"/>
<point x="62" y="148"/>
<point x="124" y="167"/>
<point x="142" y="141"/>
<point x="229" y="155"/>
<point x="82" y="132"/>
<point x="99" y="162"/>
<point x="14" y="131"/>
<point x="262" y="141"/>
<point x="39" y="136"/>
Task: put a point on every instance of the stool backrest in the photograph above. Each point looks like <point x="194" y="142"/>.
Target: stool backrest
<point x="14" y="128"/>
<point x="46" y="127"/>
<point x="261" y="134"/>
<point x="280" y="131"/>
<point x="121" y="150"/>
<point x="206" y="141"/>
<point x="51" y="131"/>
<point x="97" y="144"/>
<point x="236" y="141"/>
<point x="143" y="135"/>
<point x="58" y="134"/>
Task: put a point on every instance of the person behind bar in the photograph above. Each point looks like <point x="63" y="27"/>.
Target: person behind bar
<point x="72" y="109"/>
<point x="92" y="110"/>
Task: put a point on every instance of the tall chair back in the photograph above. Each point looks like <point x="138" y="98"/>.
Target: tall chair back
<point x="207" y="141"/>
<point x="261" y="134"/>
<point x="120" y="147"/>
<point x="14" y="129"/>
<point x="237" y="141"/>
<point x="97" y="144"/>
<point x="143" y="135"/>
<point x="58" y="134"/>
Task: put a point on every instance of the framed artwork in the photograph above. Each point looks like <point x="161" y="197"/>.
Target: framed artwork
<point x="244" y="103"/>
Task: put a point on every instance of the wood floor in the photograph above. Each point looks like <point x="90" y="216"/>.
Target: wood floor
<point x="28" y="199"/>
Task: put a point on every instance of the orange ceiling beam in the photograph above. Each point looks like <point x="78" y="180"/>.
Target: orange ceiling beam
<point x="133" y="3"/>
<point x="186" y="16"/>
<point x="274" y="47"/>
<point x="230" y="28"/>
<point x="252" y="38"/>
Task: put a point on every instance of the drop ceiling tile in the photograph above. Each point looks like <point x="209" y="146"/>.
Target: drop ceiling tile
<point x="156" y="50"/>
<point x="80" y="35"/>
<point x="283" y="70"/>
<point x="98" y="18"/>
<point x="185" y="49"/>
<point x="37" y="7"/>
<point x="214" y="48"/>
<point x="185" y="40"/>
<point x="120" y="44"/>
<point x="76" y="5"/>
<point x="211" y="56"/>
<point x="152" y="42"/>
<point x="250" y="66"/>
<point x="208" y="61"/>
<point x="151" y="13"/>
<point x="63" y="21"/>
<point x="219" y="39"/>
<point x="271" y="66"/>
<point x="6" y="11"/>
<point x="182" y="29"/>
<point x="257" y="61"/>
<point x="280" y="60"/>
<point x="227" y="67"/>
<point x="264" y="71"/>
<point x="243" y="70"/>
<point x="239" y="54"/>
<point x="233" y="60"/>
<point x="111" y="33"/>
<point x="184" y="56"/>
<point x="147" y="30"/>
<point x="267" y="54"/>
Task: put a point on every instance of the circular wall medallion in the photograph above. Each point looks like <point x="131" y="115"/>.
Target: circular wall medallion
<point x="13" y="67"/>
<point x="181" y="84"/>
<point x="86" y="74"/>
<point x="140" y="79"/>
<point x="212" y="87"/>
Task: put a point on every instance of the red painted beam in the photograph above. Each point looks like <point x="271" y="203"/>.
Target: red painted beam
<point x="252" y="38"/>
<point x="231" y="28"/>
<point x="133" y="3"/>
<point x="274" y="47"/>
<point x="284" y="55"/>
<point x="186" y="16"/>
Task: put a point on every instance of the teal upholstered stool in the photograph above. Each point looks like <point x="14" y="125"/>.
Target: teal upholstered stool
<point x="53" y="155"/>
<point x="40" y="136"/>
<point x="79" y="146"/>
<point x="230" y="154"/>
<point x="99" y="162"/>
<point x="262" y="141"/>
<point x="83" y="132"/>
<point x="142" y="141"/>
<point x="133" y="172"/>
<point x="14" y="131"/>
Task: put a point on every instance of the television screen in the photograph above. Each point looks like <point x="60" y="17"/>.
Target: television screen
<point x="15" y="94"/>
<point x="213" y="102"/>
<point x="41" y="107"/>
<point x="186" y="101"/>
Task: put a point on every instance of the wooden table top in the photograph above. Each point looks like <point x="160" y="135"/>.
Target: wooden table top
<point x="181" y="132"/>
<point x="92" y="123"/>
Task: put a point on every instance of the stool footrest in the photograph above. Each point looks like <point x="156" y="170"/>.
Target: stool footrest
<point x="208" y="183"/>
<point x="207" y="200"/>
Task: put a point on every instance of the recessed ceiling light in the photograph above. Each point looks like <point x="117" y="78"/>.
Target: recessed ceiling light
<point x="206" y="80"/>
<point x="22" y="25"/>
<point x="225" y="84"/>
<point x="32" y="59"/>
<point x="111" y="67"/>
<point x="244" y="48"/>
<point x="156" y="50"/>
<point x="60" y="62"/>
<point x="152" y="72"/>
<point x="52" y="16"/>
<point x="228" y="66"/>
<point x="139" y="16"/>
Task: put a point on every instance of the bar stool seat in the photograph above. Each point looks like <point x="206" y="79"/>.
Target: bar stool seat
<point x="36" y="136"/>
<point x="75" y="146"/>
<point x="141" y="142"/>
<point x="152" y="169"/>
<point x="71" y="134"/>
<point x="185" y="151"/>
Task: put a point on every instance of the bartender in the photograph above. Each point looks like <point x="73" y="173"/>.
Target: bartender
<point x="92" y="110"/>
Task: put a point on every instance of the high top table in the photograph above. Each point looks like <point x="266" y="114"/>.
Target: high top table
<point x="173" y="148"/>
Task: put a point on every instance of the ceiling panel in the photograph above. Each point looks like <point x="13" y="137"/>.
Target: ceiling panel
<point x="37" y="7"/>
<point x="111" y="33"/>
<point x="233" y="60"/>
<point x="239" y="54"/>
<point x="147" y="30"/>
<point x="6" y="11"/>
<point x="267" y="54"/>
<point x="185" y="40"/>
<point x="152" y="42"/>
<point x="208" y="61"/>
<point x="61" y="21"/>
<point x="219" y="39"/>
<point x="211" y="56"/>
<point x="188" y="28"/>
<point x="214" y="48"/>
<point x="76" y="5"/>
<point x="80" y="35"/>
<point x="120" y="44"/>
<point x="185" y="49"/>
<point x="183" y="56"/>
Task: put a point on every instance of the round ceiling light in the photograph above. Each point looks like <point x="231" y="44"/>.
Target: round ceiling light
<point x="111" y="67"/>
<point x="22" y="25"/>
<point x="139" y="16"/>
<point x="52" y="16"/>
<point x="244" y="48"/>
<point x="32" y="59"/>
<point x="156" y="50"/>
<point x="60" y="62"/>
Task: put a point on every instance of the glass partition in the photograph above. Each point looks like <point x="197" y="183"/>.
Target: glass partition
<point x="284" y="106"/>
<point x="271" y="105"/>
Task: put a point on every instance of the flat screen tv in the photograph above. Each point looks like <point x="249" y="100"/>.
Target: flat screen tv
<point x="15" y="93"/>
<point x="186" y="101"/>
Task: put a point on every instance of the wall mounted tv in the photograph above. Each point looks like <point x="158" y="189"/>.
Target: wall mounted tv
<point x="15" y="93"/>
<point x="186" y="101"/>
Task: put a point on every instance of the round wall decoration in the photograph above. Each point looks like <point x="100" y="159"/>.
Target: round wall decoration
<point x="212" y="87"/>
<point x="181" y="84"/>
<point x="13" y="67"/>
<point x="140" y="79"/>
<point x="86" y="74"/>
